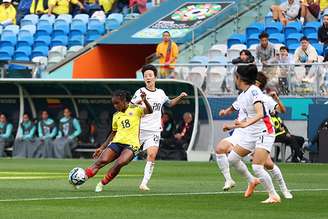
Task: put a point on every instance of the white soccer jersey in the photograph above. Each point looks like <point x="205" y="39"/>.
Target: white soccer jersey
<point x="269" y="103"/>
<point x="246" y="101"/>
<point x="156" y="99"/>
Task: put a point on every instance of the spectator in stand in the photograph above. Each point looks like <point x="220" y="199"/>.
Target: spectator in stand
<point x="6" y="129"/>
<point x="184" y="131"/>
<point x="265" y="52"/>
<point x="245" y="56"/>
<point x="121" y="6"/>
<point x="47" y="131"/>
<point x="323" y="5"/>
<point x="7" y="13"/>
<point x="141" y="5"/>
<point x="39" y="7"/>
<point x="323" y="34"/>
<point x="305" y="53"/>
<point x="58" y="7"/>
<point x="284" y="58"/>
<point x="23" y="9"/>
<point x="167" y="51"/>
<point x="107" y="5"/>
<point x="286" y="11"/>
<point x="168" y="126"/>
<point x="310" y="11"/>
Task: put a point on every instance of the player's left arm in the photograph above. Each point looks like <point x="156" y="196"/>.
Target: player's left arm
<point x="175" y="101"/>
<point x="259" y="115"/>
<point x="280" y="106"/>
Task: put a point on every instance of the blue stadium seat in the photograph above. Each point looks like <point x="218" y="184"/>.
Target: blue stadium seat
<point x="65" y="17"/>
<point x="293" y="38"/>
<point x="29" y="19"/>
<point x="236" y="39"/>
<point x="1" y="28"/>
<point x="8" y="38"/>
<point x="293" y="27"/>
<point x="273" y="27"/>
<point x="313" y="38"/>
<point x="114" y="21"/>
<point x="4" y="55"/>
<point x="92" y="36"/>
<point x="42" y="41"/>
<point x="254" y="28"/>
<point x="96" y="25"/>
<point x="50" y="18"/>
<point x="24" y="49"/>
<point x="61" y="27"/>
<point x="30" y="28"/>
<point x="59" y="41"/>
<point x="268" y="18"/>
<point x="82" y="17"/>
<point x="21" y="56"/>
<point x="293" y="47"/>
<point x="217" y="60"/>
<point x="277" y="38"/>
<point x="203" y="60"/>
<point x="76" y="40"/>
<point x="40" y="51"/>
<point x="43" y="29"/>
<point x="13" y="28"/>
<point x="253" y="39"/>
<point x="25" y="38"/>
<point x="311" y="27"/>
<point x="319" y="48"/>
<point x="78" y="27"/>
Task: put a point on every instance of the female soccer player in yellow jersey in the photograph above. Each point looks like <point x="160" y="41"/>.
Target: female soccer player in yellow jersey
<point x="123" y="142"/>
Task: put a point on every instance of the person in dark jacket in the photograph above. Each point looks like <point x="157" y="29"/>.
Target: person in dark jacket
<point x="184" y="131"/>
<point x="245" y="56"/>
<point x="323" y="34"/>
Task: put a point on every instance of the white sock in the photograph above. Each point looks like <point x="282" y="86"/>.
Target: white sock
<point x="265" y="178"/>
<point x="223" y="163"/>
<point x="235" y="161"/>
<point x="148" y="172"/>
<point x="277" y="176"/>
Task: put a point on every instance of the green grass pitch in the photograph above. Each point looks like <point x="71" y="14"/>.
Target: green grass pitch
<point x="39" y="189"/>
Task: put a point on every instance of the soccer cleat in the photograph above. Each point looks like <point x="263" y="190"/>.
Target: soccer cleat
<point x="144" y="187"/>
<point x="273" y="199"/>
<point x="287" y="194"/>
<point x="99" y="187"/>
<point x="251" y="187"/>
<point x="229" y="184"/>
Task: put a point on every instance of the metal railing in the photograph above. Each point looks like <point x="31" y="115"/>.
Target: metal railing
<point x="8" y="67"/>
<point x="301" y="79"/>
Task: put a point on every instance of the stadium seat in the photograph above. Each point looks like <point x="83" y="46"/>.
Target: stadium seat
<point x="1" y="28"/>
<point x="13" y="28"/>
<point x="59" y="41"/>
<point x="27" y="50"/>
<point x="64" y="17"/>
<point x="217" y="60"/>
<point x="50" y="18"/>
<point x="215" y="78"/>
<point x="8" y="38"/>
<point x="293" y="47"/>
<point x="44" y="29"/>
<point x="82" y="17"/>
<point x="236" y="39"/>
<point x="114" y="21"/>
<point x="92" y="36"/>
<point x="277" y="38"/>
<point x="78" y="27"/>
<point x="273" y="27"/>
<point x="253" y="39"/>
<point x="30" y="28"/>
<point x="313" y="38"/>
<point x="197" y="76"/>
<point x="218" y="50"/>
<point x="292" y="27"/>
<point x="40" y="51"/>
<point x="25" y="38"/>
<point x="56" y="54"/>
<point x="73" y="50"/>
<point x="77" y="40"/>
<point x="318" y="47"/>
<point x="4" y="55"/>
<point x="254" y="28"/>
<point x="234" y="51"/>
<point x="268" y="18"/>
<point x="42" y="41"/>
<point x="293" y="38"/>
<point x="29" y="19"/>
<point x="311" y="27"/>
<point x="203" y="60"/>
<point x="61" y="28"/>
<point x="21" y="56"/>
<point x="96" y="25"/>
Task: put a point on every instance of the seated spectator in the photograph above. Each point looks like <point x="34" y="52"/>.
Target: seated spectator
<point x="167" y="134"/>
<point x="47" y="131"/>
<point x="184" y="131"/>
<point x="265" y="51"/>
<point x="286" y="11"/>
<point x="107" y="5"/>
<point x="141" y="5"/>
<point x="7" y="13"/>
<point x="245" y="56"/>
<point x="58" y="7"/>
<point x="323" y="5"/>
<point x="310" y="11"/>
<point x="283" y="136"/>
<point x="23" y="9"/>
<point x="6" y="129"/>
<point x="305" y="53"/>
<point x="25" y="145"/>
<point x="66" y="141"/>
<point x="121" y="6"/>
<point x="323" y="34"/>
<point x="284" y="58"/>
<point x="39" y="7"/>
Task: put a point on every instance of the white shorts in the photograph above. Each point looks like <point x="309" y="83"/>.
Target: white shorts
<point x="235" y="137"/>
<point x="251" y="142"/>
<point x="149" y="139"/>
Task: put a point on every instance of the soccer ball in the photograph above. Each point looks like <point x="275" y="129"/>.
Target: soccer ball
<point x="77" y="176"/>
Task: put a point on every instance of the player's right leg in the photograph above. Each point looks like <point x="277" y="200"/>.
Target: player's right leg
<point x="221" y="150"/>
<point x="276" y="174"/>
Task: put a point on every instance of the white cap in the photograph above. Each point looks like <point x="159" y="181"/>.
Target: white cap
<point x="6" y="1"/>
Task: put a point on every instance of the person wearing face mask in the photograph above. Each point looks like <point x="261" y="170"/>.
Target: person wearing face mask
<point x="6" y="129"/>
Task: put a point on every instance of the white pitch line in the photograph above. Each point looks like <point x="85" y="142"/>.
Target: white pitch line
<point x="144" y="195"/>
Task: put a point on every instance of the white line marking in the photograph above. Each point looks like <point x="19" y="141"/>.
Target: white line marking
<point x="144" y="195"/>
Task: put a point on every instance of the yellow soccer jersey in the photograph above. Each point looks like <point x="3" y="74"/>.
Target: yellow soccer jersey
<point x="127" y="126"/>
